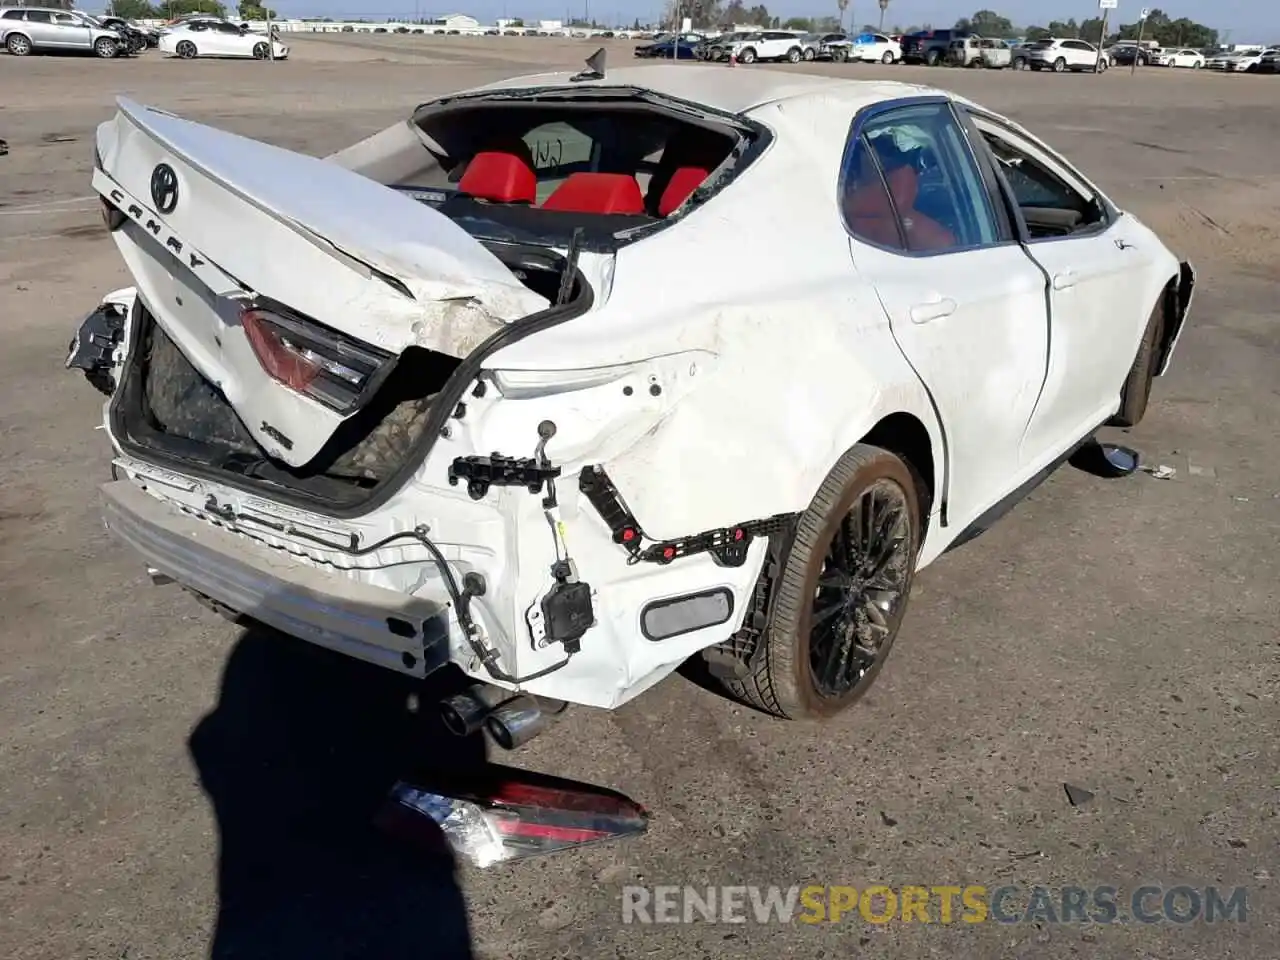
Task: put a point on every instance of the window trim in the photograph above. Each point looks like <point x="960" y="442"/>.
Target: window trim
<point x="1109" y="211"/>
<point x="1007" y="230"/>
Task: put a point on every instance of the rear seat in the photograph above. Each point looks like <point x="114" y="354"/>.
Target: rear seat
<point x="499" y="177"/>
<point x="603" y="193"/>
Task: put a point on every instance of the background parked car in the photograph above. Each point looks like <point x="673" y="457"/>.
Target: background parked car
<point x="1125" y="54"/>
<point x="979" y="52"/>
<point x="1060" y="56"/>
<point x="828" y="42"/>
<point x="136" y="38"/>
<point x="25" y="30"/>
<point x="1179" y="57"/>
<point x="672" y="48"/>
<point x="773" y="45"/>
<point x="929" y="46"/>
<point x="199" y="38"/>
<point x="1270" y="62"/>
<point x="875" y="47"/>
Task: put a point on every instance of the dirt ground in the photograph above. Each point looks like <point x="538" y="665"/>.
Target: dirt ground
<point x="1116" y="635"/>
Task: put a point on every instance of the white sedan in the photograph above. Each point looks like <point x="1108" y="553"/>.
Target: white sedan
<point x="1191" y="59"/>
<point x="463" y="392"/>
<point x="875" y="48"/>
<point x="213" y="38"/>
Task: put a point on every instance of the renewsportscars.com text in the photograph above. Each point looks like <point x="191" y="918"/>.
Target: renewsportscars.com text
<point x="971" y="903"/>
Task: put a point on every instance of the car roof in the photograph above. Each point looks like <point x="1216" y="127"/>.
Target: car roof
<point x="730" y="91"/>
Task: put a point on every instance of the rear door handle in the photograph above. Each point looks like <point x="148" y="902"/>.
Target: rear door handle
<point x="932" y="310"/>
<point x="1064" y="280"/>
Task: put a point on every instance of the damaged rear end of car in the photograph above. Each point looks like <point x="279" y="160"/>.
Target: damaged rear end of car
<point x="311" y="421"/>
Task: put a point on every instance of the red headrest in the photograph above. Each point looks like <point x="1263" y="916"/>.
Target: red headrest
<point x="683" y="182"/>
<point x="499" y="177"/>
<point x="597" y="193"/>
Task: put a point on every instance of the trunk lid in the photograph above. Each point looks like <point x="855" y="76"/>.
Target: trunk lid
<point x="210" y="222"/>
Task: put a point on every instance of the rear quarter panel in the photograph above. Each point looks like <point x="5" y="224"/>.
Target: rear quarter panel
<point x="805" y="364"/>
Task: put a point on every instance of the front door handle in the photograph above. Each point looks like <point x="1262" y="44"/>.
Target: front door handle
<point x="932" y="310"/>
<point x="1064" y="280"/>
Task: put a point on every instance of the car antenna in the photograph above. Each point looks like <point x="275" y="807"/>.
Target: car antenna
<point x="595" y="67"/>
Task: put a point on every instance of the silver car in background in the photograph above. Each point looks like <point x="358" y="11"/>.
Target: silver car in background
<point x="25" y="30"/>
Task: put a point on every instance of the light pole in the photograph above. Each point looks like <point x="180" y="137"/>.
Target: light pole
<point x="884" y="5"/>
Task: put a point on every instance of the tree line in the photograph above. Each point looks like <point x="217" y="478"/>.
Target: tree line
<point x="169" y="9"/>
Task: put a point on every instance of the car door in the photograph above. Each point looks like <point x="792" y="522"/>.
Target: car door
<point x="230" y="40"/>
<point x="1091" y="257"/>
<point x="73" y="33"/>
<point x="965" y="303"/>
<point x="41" y="30"/>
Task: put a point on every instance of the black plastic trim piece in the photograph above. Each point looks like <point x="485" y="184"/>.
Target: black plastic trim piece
<point x="988" y="518"/>
<point x="684" y="598"/>
<point x="727" y="545"/>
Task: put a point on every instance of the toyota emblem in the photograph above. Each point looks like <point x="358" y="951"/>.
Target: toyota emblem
<point x="164" y="188"/>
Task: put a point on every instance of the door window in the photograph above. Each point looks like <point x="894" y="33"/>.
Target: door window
<point x="66" y="20"/>
<point x="1052" y="201"/>
<point x="39" y="16"/>
<point x="228" y="28"/>
<point x="911" y="166"/>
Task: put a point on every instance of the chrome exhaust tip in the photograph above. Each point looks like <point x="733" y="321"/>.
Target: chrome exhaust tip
<point x="464" y="713"/>
<point x="520" y="719"/>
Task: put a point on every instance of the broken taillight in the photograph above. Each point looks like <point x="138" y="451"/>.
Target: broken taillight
<point x="506" y="818"/>
<point x="313" y="360"/>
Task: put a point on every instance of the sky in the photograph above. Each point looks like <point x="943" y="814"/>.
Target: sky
<point x="1248" y="20"/>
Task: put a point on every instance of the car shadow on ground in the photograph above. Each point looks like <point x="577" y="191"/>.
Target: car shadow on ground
<point x="296" y="757"/>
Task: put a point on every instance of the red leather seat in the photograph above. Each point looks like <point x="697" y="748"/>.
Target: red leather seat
<point x="597" y="193"/>
<point x="871" y="217"/>
<point x="499" y="178"/>
<point x="683" y="182"/>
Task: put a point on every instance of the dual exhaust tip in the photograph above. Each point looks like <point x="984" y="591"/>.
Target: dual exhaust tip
<point x="512" y="721"/>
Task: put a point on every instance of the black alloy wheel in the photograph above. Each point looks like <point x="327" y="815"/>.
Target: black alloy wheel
<point x="861" y="591"/>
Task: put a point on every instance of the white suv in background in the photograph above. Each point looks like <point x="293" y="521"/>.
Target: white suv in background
<point x="772" y="45"/>
<point x="1062" y="55"/>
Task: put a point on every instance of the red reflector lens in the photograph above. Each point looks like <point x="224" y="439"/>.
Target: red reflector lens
<point x="280" y="360"/>
<point x="628" y="536"/>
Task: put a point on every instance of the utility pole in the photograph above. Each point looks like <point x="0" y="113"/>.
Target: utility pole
<point x="1142" y="25"/>
<point x="884" y="5"/>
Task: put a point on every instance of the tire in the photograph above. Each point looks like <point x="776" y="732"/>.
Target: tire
<point x="794" y="55"/>
<point x="186" y="50"/>
<point x="106" y="48"/>
<point x="261" y="51"/>
<point x="839" y="55"/>
<point x="18" y="44"/>
<point x="1137" y="385"/>
<point x="747" y="56"/>
<point x="1103" y="65"/>
<point x="1196" y="65"/>
<point x="1060" y="65"/>
<point x="931" y="58"/>
<point x="1020" y="63"/>
<point x="784" y="682"/>
<point x="887" y="58"/>
<point x="810" y="54"/>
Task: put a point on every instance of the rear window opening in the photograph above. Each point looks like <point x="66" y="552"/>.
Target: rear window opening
<point x="166" y="411"/>
<point x="611" y="162"/>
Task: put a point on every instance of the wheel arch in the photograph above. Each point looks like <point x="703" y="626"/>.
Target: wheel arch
<point x="905" y="435"/>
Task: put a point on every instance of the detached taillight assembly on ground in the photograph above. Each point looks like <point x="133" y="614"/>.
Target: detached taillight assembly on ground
<point x="313" y="360"/>
<point x="506" y="816"/>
